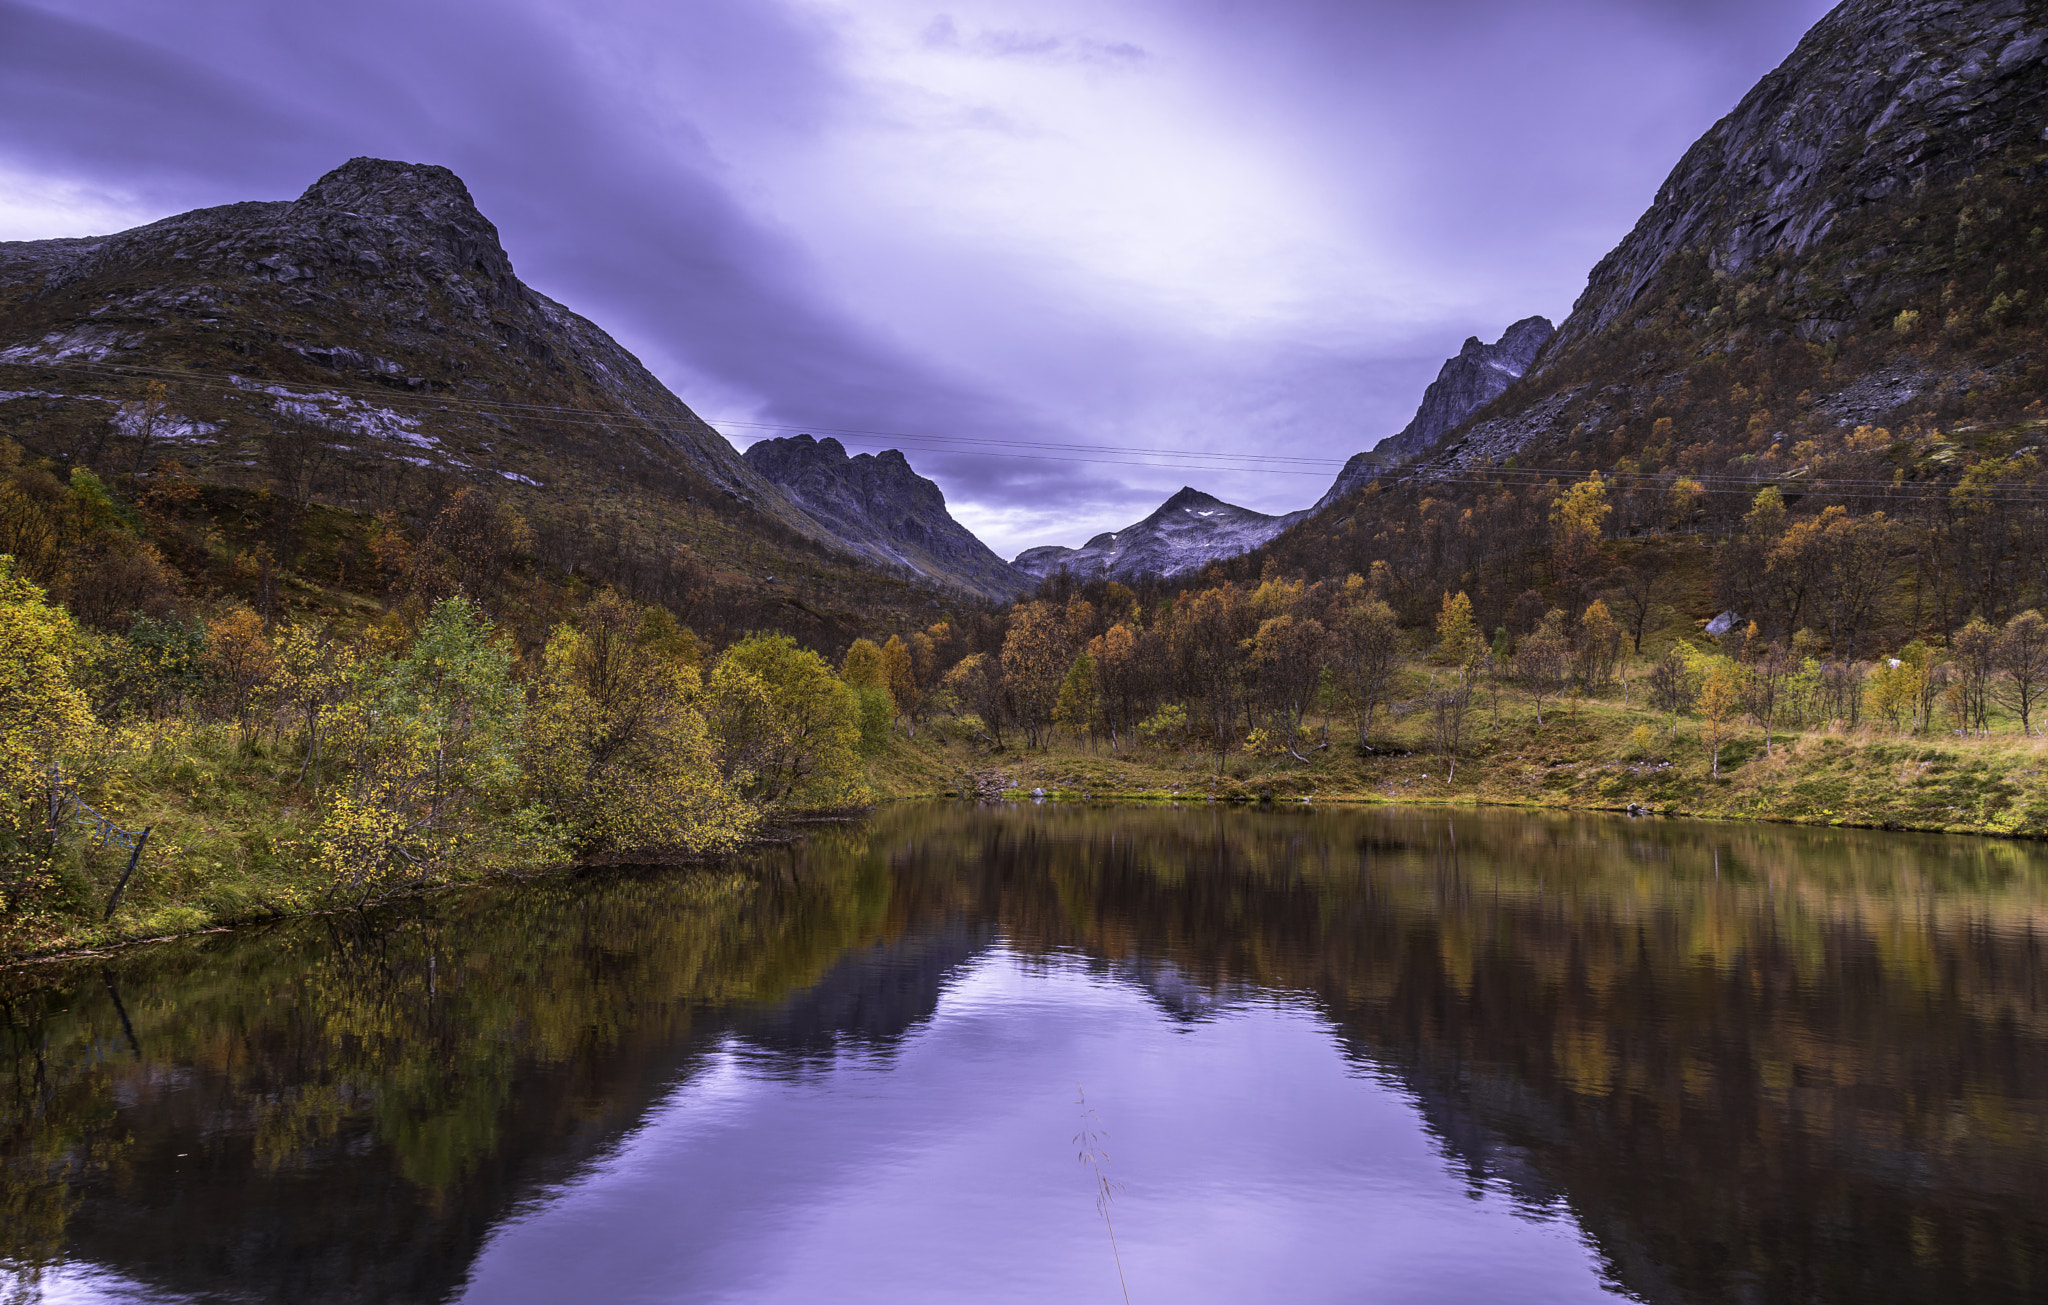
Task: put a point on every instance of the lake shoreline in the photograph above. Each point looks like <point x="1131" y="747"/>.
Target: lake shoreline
<point x="1578" y="748"/>
<point x="783" y="832"/>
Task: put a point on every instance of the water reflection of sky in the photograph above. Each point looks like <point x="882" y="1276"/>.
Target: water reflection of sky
<point x="1257" y="1164"/>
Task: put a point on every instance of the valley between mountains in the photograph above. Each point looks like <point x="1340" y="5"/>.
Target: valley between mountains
<point x="348" y="564"/>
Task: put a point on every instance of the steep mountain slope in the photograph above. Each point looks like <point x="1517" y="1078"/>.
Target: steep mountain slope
<point x="1852" y="245"/>
<point x="1186" y="533"/>
<point x="376" y="326"/>
<point x="874" y="502"/>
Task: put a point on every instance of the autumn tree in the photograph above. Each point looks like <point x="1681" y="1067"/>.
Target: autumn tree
<point x="899" y="670"/>
<point x="1121" y="679"/>
<point x="1578" y="518"/>
<point x="1673" y="684"/>
<point x="1287" y="657"/>
<point x="315" y="673"/>
<point x="1635" y="593"/>
<point x="1208" y="637"/>
<point x="1973" y="651"/>
<point x="976" y="683"/>
<point x="1035" y="659"/>
<point x="240" y="661"/>
<point x="866" y="672"/>
<point x="1597" y="648"/>
<point x="1075" y="711"/>
<point x="782" y="720"/>
<point x="43" y="718"/>
<point x="1458" y="641"/>
<point x="1449" y="705"/>
<point x="1767" y="683"/>
<point x="431" y="740"/>
<point x="616" y="750"/>
<point x="1720" y="704"/>
<point x="1855" y="572"/>
<point x="1367" y="648"/>
<point x="2023" y="656"/>
<point x="864" y="666"/>
<point x="1542" y="661"/>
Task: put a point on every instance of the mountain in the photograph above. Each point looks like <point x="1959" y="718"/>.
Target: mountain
<point x="874" y="502"/>
<point x="1478" y="375"/>
<point x="1854" y="244"/>
<point x="1186" y="533"/>
<point x="382" y="277"/>
<point x="377" y="320"/>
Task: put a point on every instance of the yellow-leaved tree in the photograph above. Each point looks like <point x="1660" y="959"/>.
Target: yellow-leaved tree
<point x="787" y="729"/>
<point x="430" y="744"/>
<point x="1457" y="635"/>
<point x="43" y="717"/>
<point x="617" y="752"/>
<point x="1578" y="516"/>
<point x="866" y="672"/>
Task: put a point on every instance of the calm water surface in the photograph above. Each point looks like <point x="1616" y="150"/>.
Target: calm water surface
<point x="1339" y="1056"/>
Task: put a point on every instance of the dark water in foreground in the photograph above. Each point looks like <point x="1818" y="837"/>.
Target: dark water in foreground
<point x="1341" y="1056"/>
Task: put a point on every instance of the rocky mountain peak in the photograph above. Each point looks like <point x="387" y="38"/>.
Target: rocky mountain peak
<point x="389" y="187"/>
<point x="1879" y="171"/>
<point x="877" y="504"/>
<point x="1476" y="377"/>
<point x="1183" y="534"/>
<point x="1188" y="498"/>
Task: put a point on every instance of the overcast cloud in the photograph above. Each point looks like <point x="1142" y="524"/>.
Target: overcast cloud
<point x="1209" y="226"/>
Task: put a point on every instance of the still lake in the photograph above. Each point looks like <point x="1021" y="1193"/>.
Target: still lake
<point x="1387" y="1055"/>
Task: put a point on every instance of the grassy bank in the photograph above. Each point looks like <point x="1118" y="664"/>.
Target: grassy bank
<point x="1591" y="753"/>
<point x="234" y="824"/>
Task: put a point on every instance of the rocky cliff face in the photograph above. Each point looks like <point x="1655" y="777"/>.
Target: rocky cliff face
<point x="1189" y="531"/>
<point x="1853" y="244"/>
<point x="380" y="306"/>
<point x="874" y="502"/>
<point x="1477" y="376"/>
<point x="1880" y="99"/>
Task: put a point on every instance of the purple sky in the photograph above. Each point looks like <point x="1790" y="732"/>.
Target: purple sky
<point x="1216" y="226"/>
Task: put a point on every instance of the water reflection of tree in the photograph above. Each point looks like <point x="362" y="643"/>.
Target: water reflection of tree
<point x="1807" y="1061"/>
<point x="1814" y="1062"/>
<point x="379" y="1087"/>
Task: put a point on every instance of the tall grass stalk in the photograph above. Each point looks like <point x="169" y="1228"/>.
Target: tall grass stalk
<point x="1095" y="1160"/>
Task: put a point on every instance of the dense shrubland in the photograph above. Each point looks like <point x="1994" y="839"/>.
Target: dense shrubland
<point x="293" y="743"/>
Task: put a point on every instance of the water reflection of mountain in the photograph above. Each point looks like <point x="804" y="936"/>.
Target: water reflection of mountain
<point x="268" y="1149"/>
<point x="1754" y="1063"/>
<point x="869" y="999"/>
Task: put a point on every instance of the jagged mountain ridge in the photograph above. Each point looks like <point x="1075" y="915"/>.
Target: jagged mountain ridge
<point x="877" y="503"/>
<point x="1805" y="217"/>
<point x="1479" y="374"/>
<point x="1184" y="534"/>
